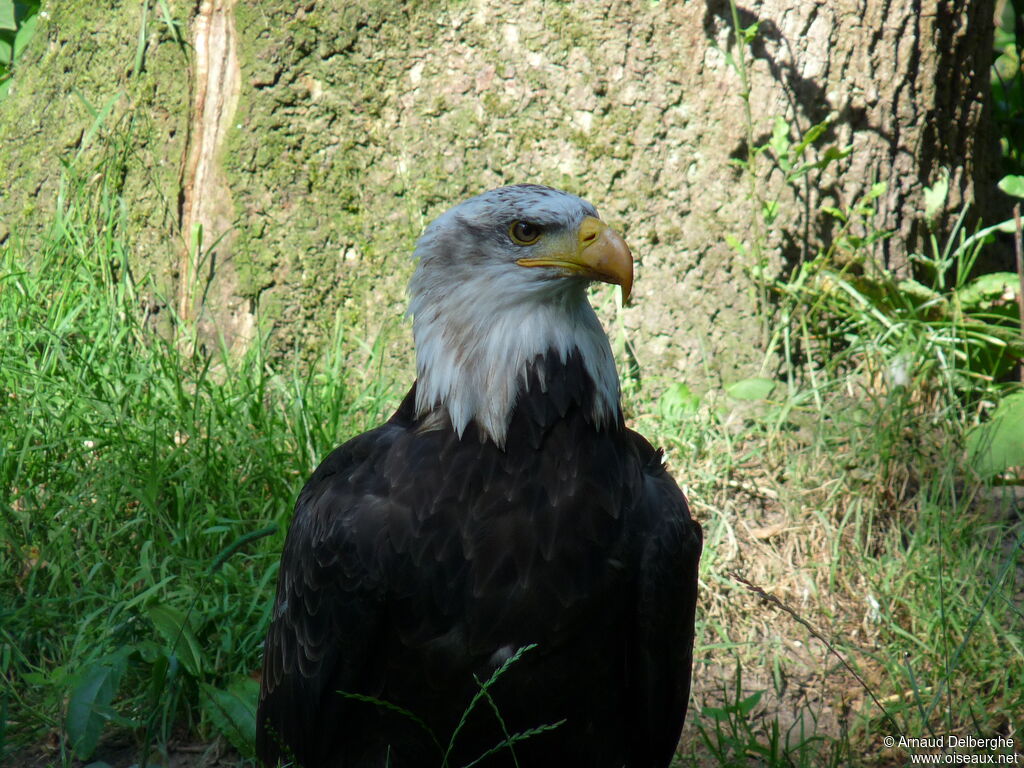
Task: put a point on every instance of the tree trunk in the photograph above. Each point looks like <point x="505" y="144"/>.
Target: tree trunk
<point x="905" y="84"/>
<point x="352" y="125"/>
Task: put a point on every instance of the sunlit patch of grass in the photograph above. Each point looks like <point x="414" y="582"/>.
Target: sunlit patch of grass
<point x="862" y="516"/>
<point x="842" y="488"/>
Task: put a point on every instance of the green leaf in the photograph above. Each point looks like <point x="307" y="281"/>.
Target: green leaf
<point x="935" y="196"/>
<point x="756" y="388"/>
<point x="729" y="61"/>
<point x="830" y="155"/>
<point x="24" y="34"/>
<point x="749" y="34"/>
<point x="833" y="212"/>
<point x="780" y="143"/>
<point x="998" y="445"/>
<point x="877" y="190"/>
<point x="986" y="290"/>
<point x="149" y="651"/>
<point x="677" y="402"/>
<point x="811" y="136"/>
<point x="918" y="291"/>
<point x="7" y="15"/>
<point x="99" y="116"/>
<point x="747" y="705"/>
<point x="1012" y="185"/>
<point x="163" y="671"/>
<point x="227" y="552"/>
<point x="233" y="711"/>
<point x="736" y="244"/>
<point x="172" y="626"/>
<point x="89" y="702"/>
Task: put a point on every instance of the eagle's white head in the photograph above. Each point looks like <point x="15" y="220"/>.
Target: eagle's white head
<point x="502" y="279"/>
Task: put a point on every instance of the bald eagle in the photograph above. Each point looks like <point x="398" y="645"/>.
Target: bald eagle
<point x="503" y="513"/>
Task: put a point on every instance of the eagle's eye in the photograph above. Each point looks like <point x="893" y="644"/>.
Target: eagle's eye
<point x="524" y="233"/>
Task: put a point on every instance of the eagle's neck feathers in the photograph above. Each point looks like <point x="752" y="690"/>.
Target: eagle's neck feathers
<point x="474" y="351"/>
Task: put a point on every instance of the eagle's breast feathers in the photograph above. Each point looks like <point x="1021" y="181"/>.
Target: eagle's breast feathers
<point x="504" y="505"/>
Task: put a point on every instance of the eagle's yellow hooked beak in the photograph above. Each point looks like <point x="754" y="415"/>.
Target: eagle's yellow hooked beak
<point x="599" y="253"/>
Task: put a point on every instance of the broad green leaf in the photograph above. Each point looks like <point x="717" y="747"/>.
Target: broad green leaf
<point x="89" y="703"/>
<point x="985" y="290"/>
<point x="830" y="155"/>
<point x="171" y="624"/>
<point x="730" y="62"/>
<point x="149" y="651"/>
<point x="735" y="243"/>
<point x="756" y="388"/>
<point x="7" y="15"/>
<point x="24" y="34"/>
<point x="1012" y="185"/>
<point x="998" y="444"/>
<point x="233" y="711"/>
<point x="162" y="670"/>
<point x="750" y="33"/>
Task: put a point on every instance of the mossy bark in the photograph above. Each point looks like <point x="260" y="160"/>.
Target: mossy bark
<point x="355" y="124"/>
<point x="88" y="121"/>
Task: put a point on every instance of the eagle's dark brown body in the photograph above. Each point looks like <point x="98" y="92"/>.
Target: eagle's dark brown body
<point x="418" y="561"/>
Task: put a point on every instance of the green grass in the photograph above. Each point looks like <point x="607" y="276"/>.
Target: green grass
<point x="847" y="493"/>
<point x="133" y="472"/>
<point x="146" y="486"/>
<point x="861" y="516"/>
<point x="145" y="483"/>
<point x="849" y="487"/>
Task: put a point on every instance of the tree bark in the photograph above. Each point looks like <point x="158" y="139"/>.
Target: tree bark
<point x="356" y="124"/>
<point x="907" y="86"/>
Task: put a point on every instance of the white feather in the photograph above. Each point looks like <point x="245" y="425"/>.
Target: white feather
<point x="480" y="320"/>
